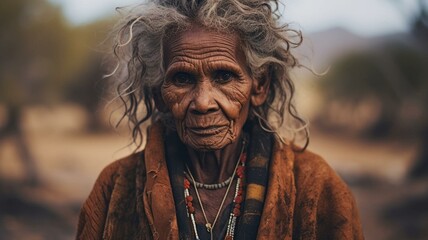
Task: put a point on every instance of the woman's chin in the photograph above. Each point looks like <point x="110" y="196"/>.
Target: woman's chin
<point x="209" y="143"/>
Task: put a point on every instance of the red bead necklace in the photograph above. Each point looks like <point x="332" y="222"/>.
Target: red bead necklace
<point x="237" y="199"/>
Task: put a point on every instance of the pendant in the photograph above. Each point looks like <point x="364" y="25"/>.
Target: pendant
<point x="208" y="226"/>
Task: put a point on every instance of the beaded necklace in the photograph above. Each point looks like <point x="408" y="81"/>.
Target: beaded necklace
<point x="237" y="199"/>
<point x="214" y="186"/>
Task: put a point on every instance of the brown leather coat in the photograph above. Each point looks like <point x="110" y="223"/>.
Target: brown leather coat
<point x="132" y="199"/>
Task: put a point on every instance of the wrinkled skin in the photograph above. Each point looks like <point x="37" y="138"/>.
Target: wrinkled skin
<point x="207" y="88"/>
<point x="209" y="92"/>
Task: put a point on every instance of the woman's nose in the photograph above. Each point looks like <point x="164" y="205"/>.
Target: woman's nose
<point x="203" y="100"/>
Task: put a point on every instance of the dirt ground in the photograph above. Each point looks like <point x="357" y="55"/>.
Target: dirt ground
<point x="68" y="162"/>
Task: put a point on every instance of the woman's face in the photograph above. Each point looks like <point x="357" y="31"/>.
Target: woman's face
<point x="206" y="88"/>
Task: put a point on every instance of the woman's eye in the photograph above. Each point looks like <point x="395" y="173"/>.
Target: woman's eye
<point x="183" y="79"/>
<point x="224" y="76"/>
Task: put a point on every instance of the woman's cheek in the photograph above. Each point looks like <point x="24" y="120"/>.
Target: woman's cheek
<point x="234" y="101"/>
<point x="178" y="111"/>
<point x="167" y="95"/>
<point x="174" y="101"/>
<point x="179" y="106"/>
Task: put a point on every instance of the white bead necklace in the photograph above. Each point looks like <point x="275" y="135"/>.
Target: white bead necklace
<point x="234" y="213"/>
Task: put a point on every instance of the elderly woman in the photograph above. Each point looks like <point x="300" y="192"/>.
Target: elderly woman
<point x="212" y="76"/>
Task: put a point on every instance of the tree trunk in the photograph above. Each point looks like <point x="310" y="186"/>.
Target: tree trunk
<point x="13" y="130"/>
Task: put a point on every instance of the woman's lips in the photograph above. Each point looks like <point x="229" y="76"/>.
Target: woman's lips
<point x="211" y="130"/>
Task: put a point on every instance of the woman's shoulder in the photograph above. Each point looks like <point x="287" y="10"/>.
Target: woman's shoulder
<point x="314" y="176"/>
<point x="311" y="167"/>
<point x="114" y="183"/>
<point x="309" y="163"/>
<point x="123" y="166"/>
<point x="326" y="206"/>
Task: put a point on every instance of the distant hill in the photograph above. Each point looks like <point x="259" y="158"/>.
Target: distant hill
<point x="322" y="48"/>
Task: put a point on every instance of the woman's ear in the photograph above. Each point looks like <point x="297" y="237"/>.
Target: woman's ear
<point x="260" y="88"/>
<point x="159" y="102"/>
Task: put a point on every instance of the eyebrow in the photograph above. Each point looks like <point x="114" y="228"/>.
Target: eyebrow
<point x="225" y="65"/>
<point x="181" y="66"/>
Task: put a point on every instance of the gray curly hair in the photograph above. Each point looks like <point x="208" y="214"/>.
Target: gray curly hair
<point x="138" y="49"/>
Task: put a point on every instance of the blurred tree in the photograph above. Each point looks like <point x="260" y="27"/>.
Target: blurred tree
<point x="395" y="78"/>
<point x="31" y="44"/>
<point x="392" y="77"/>
<point x="86" y="86"/>
<point x="419" y="26"/>
<point x="418" y="20"/>
<point x="44" y="60"/>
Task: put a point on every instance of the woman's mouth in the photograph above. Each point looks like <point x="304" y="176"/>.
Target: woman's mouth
<point x="210" y="130"/>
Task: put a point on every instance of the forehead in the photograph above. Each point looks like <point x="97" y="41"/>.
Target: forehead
<point x="199" y="43"/>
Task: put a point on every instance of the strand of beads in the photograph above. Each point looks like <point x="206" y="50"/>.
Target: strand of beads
<point x="209" y="186"/>
<point x="237" y="200"/>
<point x="189" y="206"/>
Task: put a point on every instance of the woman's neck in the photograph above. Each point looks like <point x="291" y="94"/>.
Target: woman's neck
<point x="214" y="166"/>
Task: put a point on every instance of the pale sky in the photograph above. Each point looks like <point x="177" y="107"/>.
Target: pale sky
<point x="363" y="17"/>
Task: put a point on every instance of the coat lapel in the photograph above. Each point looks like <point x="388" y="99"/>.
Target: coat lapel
<point x="277" y="216"/>
<point x="157" y="196"/>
